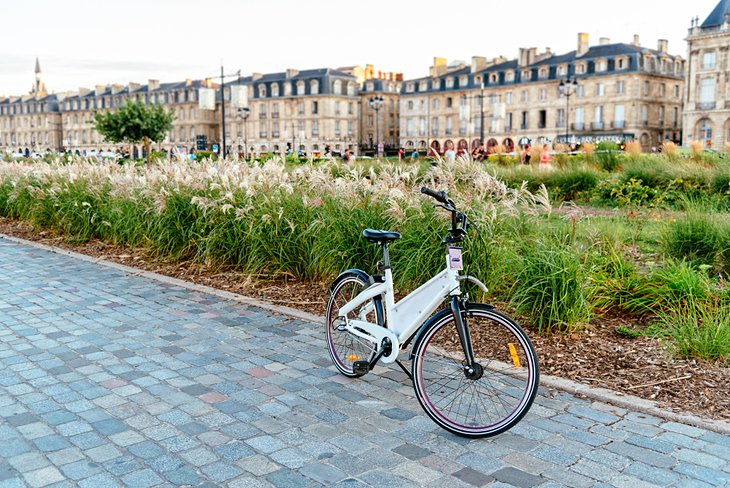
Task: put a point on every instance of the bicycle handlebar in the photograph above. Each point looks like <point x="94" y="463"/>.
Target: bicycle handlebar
<point x="439" y="196"/>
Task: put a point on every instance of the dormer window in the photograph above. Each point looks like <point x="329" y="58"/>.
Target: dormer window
<point x="369" y="86"/>
<point x="262" y="91"/>
<point x="274" y="89"/>
<point x="493" y="77"/>
<point x="580" y="68"/>
<point x="314" y="87"/>
<point x="287" y="89"/>
<point x="509" y="76"/>
<point x="449" y="82"/>
<point x="423" y="86"/>
<point x="410" y="87"/>
<point x="478" y="80"/>
<point x="562" y="70"/>
<point x="300" y="87"/>
<point x="436" y="84"/>
<point x="526" y="75"/>
<point x="463" y="81"/>
<point x="601" y="65"/>
<point x="544" y="73"/>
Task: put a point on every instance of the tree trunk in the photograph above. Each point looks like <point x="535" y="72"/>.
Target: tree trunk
<point x="147" y="148"/>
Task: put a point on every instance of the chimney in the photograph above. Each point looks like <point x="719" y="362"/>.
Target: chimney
<point x="153" y="85"/>
<point x="100" y="89"/>
<point x="478" y="63"/>
<point x="582" y="44"/>
<point x="188" y="82"/>
<point x="84" y="91"/>
<point x="439" y="67"/>
<point x="636" y="40"/>
<point x="527" y="55"/>
<point x="256" y="76"/>
<point x="603" y="41"/>
<point x="291" y="73"/>
<point x="117" y="88"/>
<point x="663" y="46"/>
<point x="133" y="86"/>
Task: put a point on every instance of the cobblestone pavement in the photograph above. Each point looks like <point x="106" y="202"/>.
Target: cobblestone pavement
<point x="111" y="379"/>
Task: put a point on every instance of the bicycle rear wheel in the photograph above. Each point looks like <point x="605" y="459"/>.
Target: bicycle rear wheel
<point x="494" y="400"/>
<point x="345" y="348"/>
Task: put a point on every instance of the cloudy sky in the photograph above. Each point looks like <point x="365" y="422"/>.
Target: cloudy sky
<point x="88" y="42"/>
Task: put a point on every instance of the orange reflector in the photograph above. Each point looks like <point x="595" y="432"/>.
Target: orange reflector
<point x="513" y="353"/>
<point x="353" y="357"/>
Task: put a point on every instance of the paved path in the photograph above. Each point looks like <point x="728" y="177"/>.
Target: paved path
<point x="110" y="379"/>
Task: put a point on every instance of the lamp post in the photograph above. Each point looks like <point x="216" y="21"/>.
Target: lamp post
<point x="376" y="103"/>
<point x="243" y="113"/>
<point x="223" y="107"/>
<point x="568" y="87"/>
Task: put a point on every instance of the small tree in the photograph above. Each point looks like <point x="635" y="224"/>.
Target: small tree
<point x="135" y="122"/>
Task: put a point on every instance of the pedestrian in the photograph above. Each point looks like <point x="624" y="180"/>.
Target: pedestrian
<point x="545" y="157"/>
<point x="450" y="154"/>
<point x="400" y="154"/>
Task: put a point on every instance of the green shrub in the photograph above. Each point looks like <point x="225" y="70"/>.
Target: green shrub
<point x="701" y="238"/>
<point x="607" y="154"/>
<point x="549" y="286"/>
<point x="699" y="331"/>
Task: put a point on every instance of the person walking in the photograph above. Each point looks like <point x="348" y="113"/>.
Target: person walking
<point x="545" y="157"/>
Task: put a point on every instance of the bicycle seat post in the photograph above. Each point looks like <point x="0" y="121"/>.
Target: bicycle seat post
<point x="386" y="256"/>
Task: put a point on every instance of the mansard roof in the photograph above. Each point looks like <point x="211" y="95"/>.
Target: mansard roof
<point x="718" y="16"/>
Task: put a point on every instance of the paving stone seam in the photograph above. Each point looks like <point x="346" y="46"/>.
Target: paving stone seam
<point x="603" y="395"/>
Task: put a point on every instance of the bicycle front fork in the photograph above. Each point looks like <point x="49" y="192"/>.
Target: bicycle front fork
<point x="472" y="369"/>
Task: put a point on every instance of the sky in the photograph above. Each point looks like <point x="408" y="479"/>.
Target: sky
<point x="82" y="43"/>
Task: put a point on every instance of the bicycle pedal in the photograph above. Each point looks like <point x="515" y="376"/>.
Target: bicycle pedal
<point x="361" y="367"/>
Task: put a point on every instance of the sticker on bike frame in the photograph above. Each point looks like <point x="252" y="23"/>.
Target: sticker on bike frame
<point x="455" y="261"/>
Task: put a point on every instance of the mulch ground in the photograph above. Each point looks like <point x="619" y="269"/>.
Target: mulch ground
<point x="598" y="356"/>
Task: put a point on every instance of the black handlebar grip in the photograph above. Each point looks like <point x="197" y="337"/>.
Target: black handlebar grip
<point x="438" y="195"/>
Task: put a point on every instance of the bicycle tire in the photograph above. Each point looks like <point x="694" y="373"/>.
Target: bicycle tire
<point x="345" y="348"/>
<point x="485" y="406"/>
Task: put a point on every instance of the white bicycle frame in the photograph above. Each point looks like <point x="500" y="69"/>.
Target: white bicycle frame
<point x="410" y="313"/>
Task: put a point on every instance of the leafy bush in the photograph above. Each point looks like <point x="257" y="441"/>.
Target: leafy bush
<point x="699" y="331"/>
<point x="549" y="286"/>
<point x="702" y="238"/>
<point x="607" y="154"/>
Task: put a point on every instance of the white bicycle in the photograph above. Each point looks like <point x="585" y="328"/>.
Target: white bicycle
<point x="474" y="370"/>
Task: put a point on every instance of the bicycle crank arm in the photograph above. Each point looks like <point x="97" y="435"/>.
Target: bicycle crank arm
<point x="375" y="334"/>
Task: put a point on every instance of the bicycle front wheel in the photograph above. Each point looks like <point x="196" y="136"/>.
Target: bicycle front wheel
<point x="484" y="404"/>
<point x="346" y="348"/>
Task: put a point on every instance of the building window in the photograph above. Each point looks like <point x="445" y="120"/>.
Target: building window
<point x="508" y="97"/>
<point x="579" y="118"/>
<point x="300" y="88"/>
<point x="275" y="110"/>
<point x="262" y="129"/>
<point x="315" y="108"/>
<point x="580" y="68"/>
<point x="646" y="88"/>
<point x="618" y="117"/>
<point x="708" y="60"/>
<point x="287" y="89"/>
<point x="434" y="127"/>
<point x="274" y="89"/>
<point x="542" y="94"/>
<point x="315" y="128"/>
<point x="436" y="84"/>
<point x="275" y="128"/>
<point x="262" y="111"/>
<point x="337" y="108"/>
<point x="351" y="89"/>
<point x="707" y="93"/>
<point x="409" y="105"/>
<point x="601" y="65"/>
<point x="620" y="87"/>
<point x="561" y="118"/>
<point x="450" y="82"/>
<point x="349" y="128"/>
<point x="644" y="115"/>
<point x="525" y="118"/>
<point x="337" y="87"/>
<point x="449" y="125"/>
<point x="662" y="90"/>
<point x="350" y="108"/>
<point x="600" y="89"/>
<point x="449" y="102"/>
<point x="314" y="87"/>
<point x="598" y="117"/>
<point x="300" y="108"/>
<point x="525" y="96"/>
<point x="262" y="90"/>
<point x="423" y="86"/>
<point x="338" y="133"/>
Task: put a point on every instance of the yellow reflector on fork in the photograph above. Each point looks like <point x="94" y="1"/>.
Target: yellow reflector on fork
<point x="513" y="353"/>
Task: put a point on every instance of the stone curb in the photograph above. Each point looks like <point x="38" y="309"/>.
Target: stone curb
<point x="603" y="395"/>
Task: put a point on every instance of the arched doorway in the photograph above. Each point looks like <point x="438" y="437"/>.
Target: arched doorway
<point x="491" y="144"/>
<point x="704" y="131"/>
<point x="462" y="147"/>
<point x="475" y="143"/>
<point x="422" y="145"/>
<point x="509" y="145"/>
<point x="435" y="148"/>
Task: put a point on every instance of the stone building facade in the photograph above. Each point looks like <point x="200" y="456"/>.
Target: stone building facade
<point x="707" y="96"/>
<point x="621" y="92"/>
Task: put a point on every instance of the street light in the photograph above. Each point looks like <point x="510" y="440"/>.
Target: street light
<point x="481" y="113"/>
<point x="568" y="87"/>
<point x="243" y="113"/>
<point x="376" y="103"/>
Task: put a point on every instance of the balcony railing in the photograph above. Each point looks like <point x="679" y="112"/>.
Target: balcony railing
<point x="578" y="125"/>
<point x="597" y="125"/>
<point x="706" y="106"/>
<point x="618" y="124"/>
